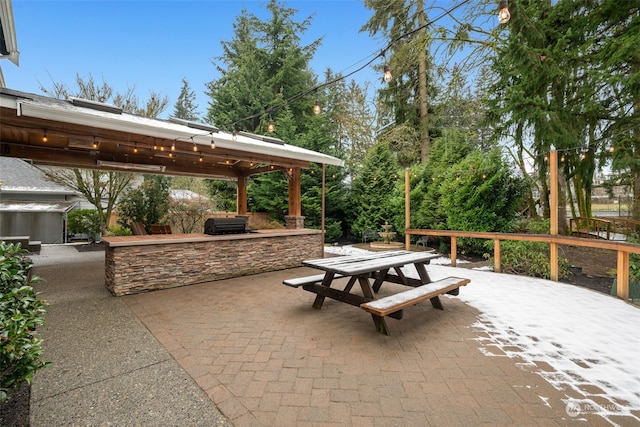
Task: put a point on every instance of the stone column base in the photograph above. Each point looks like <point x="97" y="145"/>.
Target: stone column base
<point x="294" y="222"/>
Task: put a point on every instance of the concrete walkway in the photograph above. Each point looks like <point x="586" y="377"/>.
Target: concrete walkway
<point x="256" y="351"/>
<point x="107" y="368"/>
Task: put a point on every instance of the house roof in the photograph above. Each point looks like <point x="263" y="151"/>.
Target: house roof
<point x="22" y="206"/>
<point x="8" y="41"/>
<point x="87" y="134"/>
<point x="20" y="176"/>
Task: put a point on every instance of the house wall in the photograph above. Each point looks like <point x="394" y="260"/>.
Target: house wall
<point x="46" y="227"/>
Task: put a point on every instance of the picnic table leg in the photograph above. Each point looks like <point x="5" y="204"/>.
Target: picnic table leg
<point x="326" y="281"/>
<point x="422" y="271"/>
<point x="436" y="303"/>
<point x="379" y="279"/>
<point x="381" y="324"/>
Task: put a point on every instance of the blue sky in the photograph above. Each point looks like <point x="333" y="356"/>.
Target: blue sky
<point x="152" y="45"/>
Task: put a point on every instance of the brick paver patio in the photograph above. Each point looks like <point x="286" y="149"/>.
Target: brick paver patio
<point x="265" y="357"/>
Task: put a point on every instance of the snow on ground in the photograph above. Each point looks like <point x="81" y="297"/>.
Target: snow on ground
<point x="591" y="340"/>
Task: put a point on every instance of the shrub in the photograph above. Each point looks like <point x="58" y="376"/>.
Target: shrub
<point x="332" y="230"/>
<point x="119" y="230"/>
<point x="20" y="313"/>
<point x="529" y="258"/>
<point x="84" y="221"/>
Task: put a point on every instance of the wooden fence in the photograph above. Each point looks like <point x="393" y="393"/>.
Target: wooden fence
<point x="623" y="249"/>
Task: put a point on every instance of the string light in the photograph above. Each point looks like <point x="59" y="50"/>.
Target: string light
<point x="341" y="76"/>
<point x="95" y="143"/>
<point x="387" y="73"/>
<point x="44" y="137"/>
<point x="213" y="143"/>
<point x="316" y="107"/>
<point x="135" y="147"/>
<point x="195" y="147"/>
<point x="503" y="12"/>
<point x="173" y="146"/>
<point x="271" y="127"/>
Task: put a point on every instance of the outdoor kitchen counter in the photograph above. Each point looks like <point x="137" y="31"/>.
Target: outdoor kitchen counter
<point x="135" y="264"/>
<point x="160" y="239"/>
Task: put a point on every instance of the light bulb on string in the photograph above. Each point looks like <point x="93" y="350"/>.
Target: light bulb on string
<point x="44" y="137"/>
<point x="135" y="147"/>
<point x="271" y="127"/>
<point x="173" y="146"/>
<point x="387" y="73"/>
<point x="213" y="143"/>
<point x="316" y="108"/>
<point x="503" y="12"/>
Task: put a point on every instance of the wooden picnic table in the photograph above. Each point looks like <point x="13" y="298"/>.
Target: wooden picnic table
<point x="381" y="267"/>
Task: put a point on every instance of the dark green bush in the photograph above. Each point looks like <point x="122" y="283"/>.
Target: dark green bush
<point x="84" y="221"/>
<point x="529" y="258"/>
<point x="21" y="312"/>
<point x="332" y="230"/>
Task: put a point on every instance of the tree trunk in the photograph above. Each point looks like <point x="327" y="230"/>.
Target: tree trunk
<point x="425" y="141"/>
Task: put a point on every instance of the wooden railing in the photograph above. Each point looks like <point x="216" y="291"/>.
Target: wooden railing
<point x="622" y="248"/>
<point x="626" y="226"/>
<point x="591" y="227"/>
<point x="604" y="227"/>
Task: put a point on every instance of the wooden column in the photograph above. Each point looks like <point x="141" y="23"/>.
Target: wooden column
<point x="553" y="205"/>
<point x="241" y="199"/>
<point x="324" y="172"/>
<point x="294" y="219"/>
<point x="295" y="205"/>
<point x="407" y="208"/>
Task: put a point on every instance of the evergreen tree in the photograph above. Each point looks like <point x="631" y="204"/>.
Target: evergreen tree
<point x="372" y="190"/>
<point x="185" y="107"/>
<point x="262" y="66"/>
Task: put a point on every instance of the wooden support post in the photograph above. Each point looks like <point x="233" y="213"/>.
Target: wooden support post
<point x="242" y="195"/>
<point x="454" y="251"/>
<point x="623" y="275"/>
<point x="324" y="167"/>
<point x="295" y="205"/>
<point x="496" y="255"/>
<point x="553" y="205"/>
<point x="407" y="208"/>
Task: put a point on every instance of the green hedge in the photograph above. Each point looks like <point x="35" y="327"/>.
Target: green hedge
<point x="21" y="312"/>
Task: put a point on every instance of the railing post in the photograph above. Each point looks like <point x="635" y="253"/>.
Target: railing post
<point x="623" y="275"/>
<point x="454" y="251"/>
<point x="496" y="255"/>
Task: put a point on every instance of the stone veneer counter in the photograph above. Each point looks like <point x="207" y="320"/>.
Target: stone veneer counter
<point x="135" y="264"/>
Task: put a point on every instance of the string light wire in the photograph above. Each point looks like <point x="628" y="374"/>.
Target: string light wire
<point x="373" y="57"/>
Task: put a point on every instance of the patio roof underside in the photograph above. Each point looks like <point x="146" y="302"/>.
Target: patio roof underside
<point x="135" y="143"/>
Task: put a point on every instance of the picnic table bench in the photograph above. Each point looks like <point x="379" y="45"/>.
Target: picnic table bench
<point x="393" y="305"/>
<point x="379" y="267"/>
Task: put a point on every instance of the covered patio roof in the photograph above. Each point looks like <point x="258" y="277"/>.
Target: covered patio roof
<point x="86" y="134"/>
